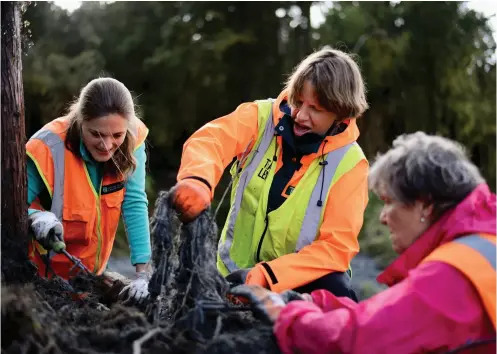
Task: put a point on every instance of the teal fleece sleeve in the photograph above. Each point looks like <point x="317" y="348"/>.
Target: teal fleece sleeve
<point x="35" y="183"/>
<point x="135" y="211"/>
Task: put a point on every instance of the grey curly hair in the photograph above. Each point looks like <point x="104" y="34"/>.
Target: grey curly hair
<point x="429" y="168"/>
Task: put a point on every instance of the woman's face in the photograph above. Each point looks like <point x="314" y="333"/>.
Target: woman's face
<point x="309" y="116"/>
<point x="103" y="136"/>
<point x="405" y="222"/>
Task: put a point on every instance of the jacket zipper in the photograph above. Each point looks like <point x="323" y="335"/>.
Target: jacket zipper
<point x="99" y="217"/>
<point x="99" y="227"/>
<point x="259" y="246"/>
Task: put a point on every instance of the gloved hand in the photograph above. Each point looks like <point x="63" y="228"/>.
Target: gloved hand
<point x="267" y="304"/>
<point x="46" y="227"/>
<point x="292" y="295"/>
<point x="238" y="277"/>
<point x="137" y="291"/>
<point x="190" y="197"/>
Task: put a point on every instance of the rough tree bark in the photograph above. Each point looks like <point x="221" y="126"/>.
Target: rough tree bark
<point x="14" y="209"/>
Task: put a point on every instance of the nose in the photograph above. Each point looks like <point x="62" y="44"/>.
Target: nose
<point x="106" y="143"/>
<point x="383" y="216"/>
<point x="302" y="114"/>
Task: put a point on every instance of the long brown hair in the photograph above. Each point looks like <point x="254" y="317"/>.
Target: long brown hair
<point x="99" y="98"/>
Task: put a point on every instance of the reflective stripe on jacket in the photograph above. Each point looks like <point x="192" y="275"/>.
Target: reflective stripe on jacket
<point x="474" y="256"/>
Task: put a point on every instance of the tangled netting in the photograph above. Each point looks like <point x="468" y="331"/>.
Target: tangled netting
<point x="188" y="311"/>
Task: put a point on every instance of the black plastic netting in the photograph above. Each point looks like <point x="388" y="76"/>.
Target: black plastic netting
<point x="188" y="311"/>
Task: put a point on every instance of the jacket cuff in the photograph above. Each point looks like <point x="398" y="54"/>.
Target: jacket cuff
<point x="272" y="281"/>
<point x="204" y="181"/>
<point x="257" y="277"/>
<point x="282" y="277"/>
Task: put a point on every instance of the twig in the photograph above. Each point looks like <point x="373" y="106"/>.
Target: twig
<point x="219" y="325"/>
<point x="137" y="344"/>
<point x="50" y="346"/>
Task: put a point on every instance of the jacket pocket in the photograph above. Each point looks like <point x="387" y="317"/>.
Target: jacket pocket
<point x="113" y="200"/>
<point x="111" y="213"/>
<point x="78" y="225"/>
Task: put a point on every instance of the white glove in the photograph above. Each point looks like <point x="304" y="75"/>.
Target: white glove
<point x="137" y="290"/>
<point x="42" y="223"/>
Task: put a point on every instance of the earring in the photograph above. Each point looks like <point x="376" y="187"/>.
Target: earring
<point x="423" y="219"/>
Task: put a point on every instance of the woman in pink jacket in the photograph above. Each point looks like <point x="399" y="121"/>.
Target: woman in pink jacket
<point x="441" y="297"/>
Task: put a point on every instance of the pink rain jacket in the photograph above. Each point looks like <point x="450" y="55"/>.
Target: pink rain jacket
<point x="428" y="308"/>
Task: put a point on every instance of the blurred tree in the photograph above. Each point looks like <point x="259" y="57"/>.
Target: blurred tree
<point x="58" y="61"/>
<point x="428" y="66"/>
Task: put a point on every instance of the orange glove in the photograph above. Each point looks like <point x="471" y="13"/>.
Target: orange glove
<point x="190" y="197"/>
<point x="256" y="277"/>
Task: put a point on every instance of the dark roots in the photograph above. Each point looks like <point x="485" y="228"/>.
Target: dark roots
<point x="187" y="312"/>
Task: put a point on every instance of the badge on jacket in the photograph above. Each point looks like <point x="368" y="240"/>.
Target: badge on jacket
<point x="111" y="188"/>
<point x="263" y="173"/>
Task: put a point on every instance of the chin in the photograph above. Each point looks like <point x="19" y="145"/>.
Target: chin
<point x="100" y="158"/>
<point x="397" y="250"/>
<point x="395" y="247"/>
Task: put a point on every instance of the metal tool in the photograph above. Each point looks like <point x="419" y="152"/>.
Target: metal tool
<point x="58" y="246"/>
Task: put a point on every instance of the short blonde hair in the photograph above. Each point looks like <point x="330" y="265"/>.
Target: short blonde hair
<point x="337" y="80"/>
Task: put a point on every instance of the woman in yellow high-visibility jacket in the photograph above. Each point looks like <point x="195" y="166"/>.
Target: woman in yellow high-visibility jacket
<point x="300" y="180"/>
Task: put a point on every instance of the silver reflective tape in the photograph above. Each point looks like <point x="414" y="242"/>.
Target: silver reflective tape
<point x="483" y="246"/>
<point x="312" y="216"/>
<point x="245" y="177"/>
<point x="56" y="145"/>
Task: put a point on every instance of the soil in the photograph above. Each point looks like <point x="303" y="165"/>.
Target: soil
<point x="187" y="312"/>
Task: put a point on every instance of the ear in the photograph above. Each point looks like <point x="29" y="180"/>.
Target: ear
<point x="424" y="209"/>
<point x="427" y="211"/>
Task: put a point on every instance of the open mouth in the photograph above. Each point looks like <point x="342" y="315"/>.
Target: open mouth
<point x="300" y="130"/>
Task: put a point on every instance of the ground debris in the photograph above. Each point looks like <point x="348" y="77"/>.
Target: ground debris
<point x="187" y="312"/>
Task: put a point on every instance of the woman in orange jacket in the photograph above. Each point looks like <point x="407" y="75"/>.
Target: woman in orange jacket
<point x="84" y="170"/>
<point x="299" y="181"/>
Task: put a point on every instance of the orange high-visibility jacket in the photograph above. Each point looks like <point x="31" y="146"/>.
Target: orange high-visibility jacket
<point x="89" y="217"/>
<point x="212" y="148"/>
<point x="473" y="256"/>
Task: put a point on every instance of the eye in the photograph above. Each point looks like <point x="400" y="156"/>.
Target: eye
<point x="94" y="134"/>
<point x="118" y="135"/>
<point x="298" y="104"/>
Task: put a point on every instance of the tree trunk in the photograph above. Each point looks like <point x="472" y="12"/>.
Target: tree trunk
<point x="305" y="28"/>
<point x="14" y="213"/>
